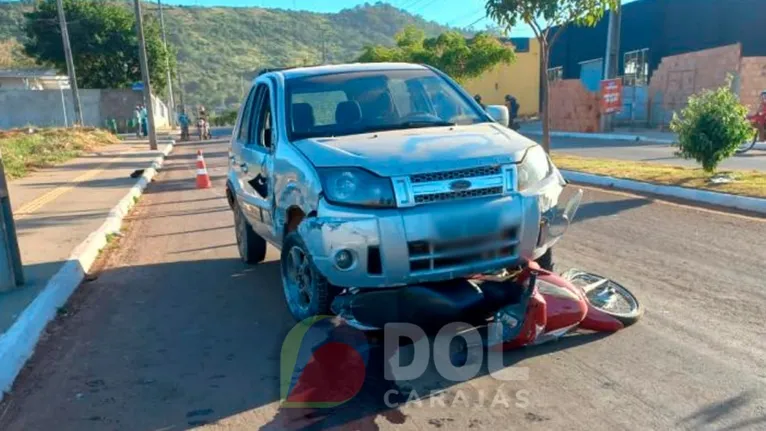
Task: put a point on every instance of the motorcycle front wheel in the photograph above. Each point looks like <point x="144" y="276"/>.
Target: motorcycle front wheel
<point x="607" y="296"/>
<point x="748" y="145"/>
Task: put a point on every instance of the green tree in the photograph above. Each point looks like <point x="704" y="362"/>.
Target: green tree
<point x="104" y="43"/>
<point x="449" y="52"/>
<point x="547" y="18"/>
<point x="712" y="126"/>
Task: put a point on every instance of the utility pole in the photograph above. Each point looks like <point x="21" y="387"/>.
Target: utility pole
<point x="612" y="62"/>
<point x="167" y="60"/>
<point x="181" y="90"/>
<point x="69" y="63"/>
<point x="145" y="76"/>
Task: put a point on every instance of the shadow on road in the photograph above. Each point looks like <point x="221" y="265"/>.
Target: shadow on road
<point x="592" y="210"/>
<point x="182" y="344"/>
<point x="713" y="414"/>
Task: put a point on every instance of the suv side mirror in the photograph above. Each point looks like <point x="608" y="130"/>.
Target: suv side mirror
<point x="499" y="113"/>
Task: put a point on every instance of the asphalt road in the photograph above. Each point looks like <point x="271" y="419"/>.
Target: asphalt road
<point x="177" y="333"/>
<point x="649" y="152"/>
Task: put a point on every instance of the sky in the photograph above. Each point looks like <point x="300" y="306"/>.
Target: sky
<point x="456" y="13"/>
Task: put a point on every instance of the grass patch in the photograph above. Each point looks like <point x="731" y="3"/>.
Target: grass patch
<point x="23" y="152"/>
<point x="747" y="183"/>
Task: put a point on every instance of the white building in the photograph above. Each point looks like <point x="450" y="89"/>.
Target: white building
<point x="32" y="79"/>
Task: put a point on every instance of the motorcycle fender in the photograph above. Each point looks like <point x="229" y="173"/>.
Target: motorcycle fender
<point x="597" y="320"/>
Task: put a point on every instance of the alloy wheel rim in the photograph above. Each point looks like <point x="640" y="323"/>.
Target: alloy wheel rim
<point x="299" y="278"/>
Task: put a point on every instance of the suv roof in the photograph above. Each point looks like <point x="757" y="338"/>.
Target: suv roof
<point x="297" y="72"/>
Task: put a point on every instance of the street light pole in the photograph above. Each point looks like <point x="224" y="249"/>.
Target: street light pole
<point x="167" y="60"/>
<point x="145" y="76"/>
<point x="69" y="63"/>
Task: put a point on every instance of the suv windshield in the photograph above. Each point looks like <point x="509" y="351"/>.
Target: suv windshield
<point x="370" y="101"/>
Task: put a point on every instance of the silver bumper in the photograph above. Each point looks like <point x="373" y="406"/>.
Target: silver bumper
<point x="426" y="243"/>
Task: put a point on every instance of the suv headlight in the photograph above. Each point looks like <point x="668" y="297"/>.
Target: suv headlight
<point x="355" y="186"/>
<point x="533" y="168"/>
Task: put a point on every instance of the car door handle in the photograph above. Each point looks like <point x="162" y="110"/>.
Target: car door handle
<point x="244" y="167"/>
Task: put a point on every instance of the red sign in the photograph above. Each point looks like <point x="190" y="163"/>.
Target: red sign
<point x="611" y="96"/>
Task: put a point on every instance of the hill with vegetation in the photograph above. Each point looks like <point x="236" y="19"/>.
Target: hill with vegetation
<point x="219" y="49"/>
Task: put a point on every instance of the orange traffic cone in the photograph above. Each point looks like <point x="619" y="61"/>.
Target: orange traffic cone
<point x="203" y="179"/>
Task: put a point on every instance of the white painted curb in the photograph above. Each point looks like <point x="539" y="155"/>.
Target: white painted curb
<point x="18" y="343"/>
<point x="601" y="136"/>
<point x="746" y="203"/>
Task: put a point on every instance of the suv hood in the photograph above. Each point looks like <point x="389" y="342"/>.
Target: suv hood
<point x="414" y="151"/>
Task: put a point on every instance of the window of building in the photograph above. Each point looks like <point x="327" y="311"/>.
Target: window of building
<point x="555" y="74"/>
<point x="636" y="67"/>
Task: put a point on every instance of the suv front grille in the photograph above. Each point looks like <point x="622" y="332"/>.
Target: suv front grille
<point x="455" y="175"/>
<point x="428" y="256"/>
<point x="439" y="197"/>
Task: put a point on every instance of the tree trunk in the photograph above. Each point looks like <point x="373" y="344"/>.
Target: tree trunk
<point x="546" y="143"/>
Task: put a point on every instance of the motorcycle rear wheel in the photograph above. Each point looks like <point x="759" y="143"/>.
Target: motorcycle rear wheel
<point x="603" y="293"/>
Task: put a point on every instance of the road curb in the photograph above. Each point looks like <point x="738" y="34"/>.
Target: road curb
<point x="745" y="203"/>
<point x="18" y="343"/>
<point x="602" y="136"/>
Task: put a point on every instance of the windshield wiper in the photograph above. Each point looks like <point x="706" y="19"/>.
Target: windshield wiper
<point x="413" y="125"/>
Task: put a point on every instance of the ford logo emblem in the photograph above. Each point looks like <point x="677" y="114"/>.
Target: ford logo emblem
<point x="459" y="185"/>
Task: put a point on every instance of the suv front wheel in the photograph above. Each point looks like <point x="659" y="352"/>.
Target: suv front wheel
<point x="307" y="292"/>
<point x="252" y="248"/>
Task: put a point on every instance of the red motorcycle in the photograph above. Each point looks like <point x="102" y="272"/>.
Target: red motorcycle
<point x="550" y="306"/>
<point x="758" y="121"/>
<point x="532" y="305"/>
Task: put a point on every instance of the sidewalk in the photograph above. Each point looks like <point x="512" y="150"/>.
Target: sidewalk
<point x="57" y="209"/>
<point x="620" y="134"/>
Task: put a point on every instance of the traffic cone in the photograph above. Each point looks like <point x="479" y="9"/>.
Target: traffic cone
<point x="203" y="179"/>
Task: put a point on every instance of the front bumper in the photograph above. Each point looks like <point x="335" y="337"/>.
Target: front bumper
<point x="422" y="244"/>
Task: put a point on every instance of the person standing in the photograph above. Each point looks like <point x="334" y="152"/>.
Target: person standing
<point x="144" y="121"/>
<point x="183" y="121"/>
<point x="137" y="118"/>
<point x="477" y="98"/>
<point x="513" y="111"/>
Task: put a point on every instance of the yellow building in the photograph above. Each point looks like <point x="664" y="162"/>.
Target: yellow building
<point x="520" y="79"/>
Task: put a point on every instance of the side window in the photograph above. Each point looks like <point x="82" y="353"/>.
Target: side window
<point x="244" y="127"/>
<point x="262" y="119"/>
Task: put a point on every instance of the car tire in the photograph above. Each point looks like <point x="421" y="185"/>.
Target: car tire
<point x="251" y="247"/>
<point x="307" y="291"/>
<point x="546" y="260"/>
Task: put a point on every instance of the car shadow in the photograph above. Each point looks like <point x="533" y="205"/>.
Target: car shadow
<point x="593" y="210"/>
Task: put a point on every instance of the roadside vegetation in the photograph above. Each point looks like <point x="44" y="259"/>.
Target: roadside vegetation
<point x="24" y="151"/>
<point x="226" y="118"/>
<point x="712" y="126"/>
<point x="746" y="183"/>
<point x="449" y="52"/>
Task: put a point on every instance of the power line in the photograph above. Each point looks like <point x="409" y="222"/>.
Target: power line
<point x="458" y="18"/>
<point x="476" y="22"/>
<point x="423" y="7"/>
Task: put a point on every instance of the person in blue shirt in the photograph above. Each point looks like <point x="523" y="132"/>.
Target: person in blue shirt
<point x="183" y="121"/>
<point x="144" y="121"/>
